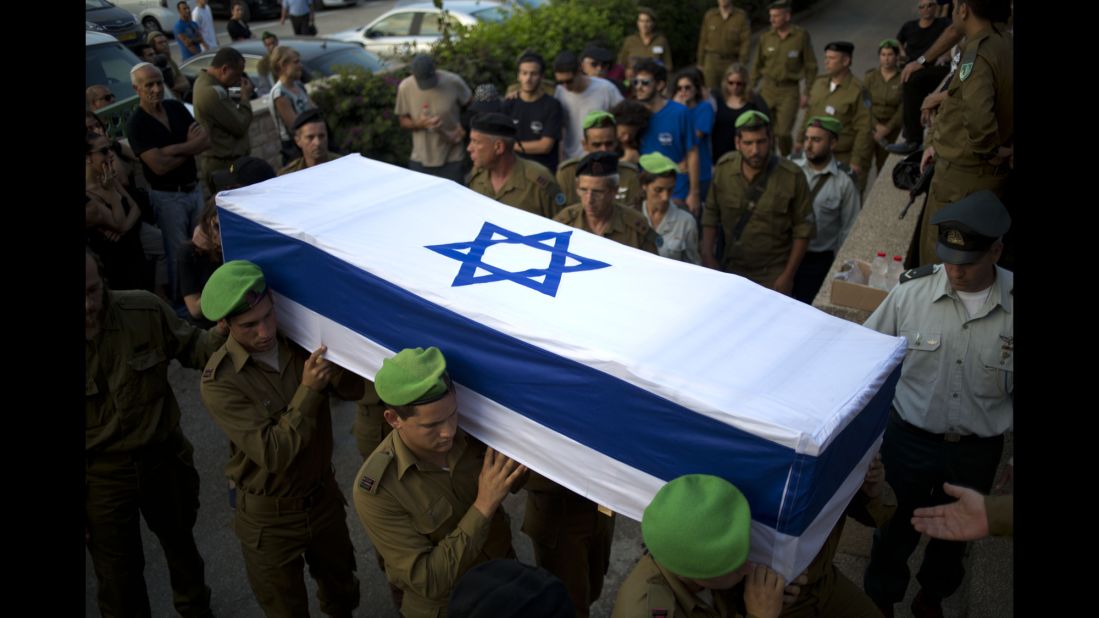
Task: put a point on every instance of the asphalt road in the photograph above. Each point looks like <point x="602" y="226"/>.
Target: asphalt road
<point x="859" y="21"/>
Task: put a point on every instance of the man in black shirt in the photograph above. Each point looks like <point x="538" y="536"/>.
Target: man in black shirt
<point x="538" y="116"/>
<point x="916" y="37"/>
<point x="164" y="135"/>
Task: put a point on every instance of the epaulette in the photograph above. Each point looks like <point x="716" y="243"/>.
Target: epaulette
<point x="965" y="67"/>
<point x="846" y="169"/>
<point x="373" y="470"/>
<point x="661" y="600"/>
<point x="212" y="365"/>
<point x="567" y="162"/>
<point x="629" y="165"/>
<point x="916" y="273"/>
<point x="726" y="157"/>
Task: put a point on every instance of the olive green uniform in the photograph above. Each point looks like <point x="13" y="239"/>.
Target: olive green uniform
<point x="226" y="122"/>
<point x="299" y="163"/>
<point x="781" y="63"/>
<point x="136" y="458"/>
<point x="629" y="182"/>
<point x="828" y="592"/>
<point x="280" y="458"/>
<point x="650" y="588"/>
<point x="885" y="108"/>
<point x="529" y="186"/>
<point x="721" y="42"/>
<point x="847" y="105"/>
<point x="973" y="122"/>
<point x="634" y="49"/>
<point x="628" y="227"/>
<point x="421" y="519"/>
<point x="784" y="213"/>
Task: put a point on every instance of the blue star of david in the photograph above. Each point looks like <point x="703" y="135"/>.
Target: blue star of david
<point x="471" y="255"/>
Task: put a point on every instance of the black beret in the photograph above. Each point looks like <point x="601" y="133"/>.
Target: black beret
<point x="598" y="164"/>
<point x="841" y="46"/>
<point x="494" y="123"/>
<point x="310" y="115"/>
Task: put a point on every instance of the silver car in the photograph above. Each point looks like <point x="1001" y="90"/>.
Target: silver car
<point x="416" y="27"/>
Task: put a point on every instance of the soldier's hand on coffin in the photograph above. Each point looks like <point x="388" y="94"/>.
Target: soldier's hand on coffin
<point x="763" y="593"/>
<point x="874" y="482"/>
<point x="318" y="371"/>
<point x="498" y="474"/>
<point x="793" y="590"/>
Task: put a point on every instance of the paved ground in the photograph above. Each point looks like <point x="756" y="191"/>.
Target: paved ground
<point x="988" y="588"/>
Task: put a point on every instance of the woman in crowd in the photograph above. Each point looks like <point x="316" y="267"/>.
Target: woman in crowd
<point x="732" y="99"/>
<point x="675" y="226"/>
<point x="690" y="91"/>
<point x="198" y="260"/>
<point x="883" y="88"/>
<point x="111" y="219"/>
<point x="288" y="97"/>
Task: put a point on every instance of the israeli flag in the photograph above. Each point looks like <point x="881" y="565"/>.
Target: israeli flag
<point x="607" y="369"/>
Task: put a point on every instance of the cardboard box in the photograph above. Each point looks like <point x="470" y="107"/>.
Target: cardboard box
<point x="857" y="295"/>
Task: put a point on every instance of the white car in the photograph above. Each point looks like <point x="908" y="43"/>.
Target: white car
<point x="153" y="14"/>
<point x="416" y="27"/>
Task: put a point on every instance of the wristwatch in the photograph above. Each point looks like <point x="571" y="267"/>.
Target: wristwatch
<point x="922" y="60"/>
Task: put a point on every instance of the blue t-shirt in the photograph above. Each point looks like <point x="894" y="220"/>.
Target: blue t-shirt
<point x="671" y="132"/>
<point x="703" y="117"/>
<point x="190" y="30"/>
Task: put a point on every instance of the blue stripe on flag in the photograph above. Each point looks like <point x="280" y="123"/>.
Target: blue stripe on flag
<point x="596" y="409"/>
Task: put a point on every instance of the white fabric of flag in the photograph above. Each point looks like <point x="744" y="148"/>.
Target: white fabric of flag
<point x="607" y="369"/>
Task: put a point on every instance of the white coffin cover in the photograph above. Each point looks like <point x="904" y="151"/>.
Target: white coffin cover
<point x="605" y="368"/>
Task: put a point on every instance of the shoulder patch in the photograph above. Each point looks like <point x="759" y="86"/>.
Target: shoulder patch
<point x="965" y="67"/>
<point x="373" y="470"/>
<point x="916" y="273"/>
<point x="541" y="181"/>
<point x="212" y="365"/>
<point x="846" y="169"/>
<point x="559" y="199"/>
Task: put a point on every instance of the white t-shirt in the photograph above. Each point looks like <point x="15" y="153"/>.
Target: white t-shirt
<point x="600" y="95"/>
<point x="205" y="20"/>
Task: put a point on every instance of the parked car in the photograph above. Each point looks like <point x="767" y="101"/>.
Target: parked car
<point x="108" y="62"/>
<point x="253" y="9"/>
<point x="319" y="57"/>
<point x="102" y="16"/>
<point x="328" y="4"/>
<point x="416" y="27"/>
<point x="154" y="15"/>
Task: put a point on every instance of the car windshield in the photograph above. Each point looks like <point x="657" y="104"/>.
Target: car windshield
<point x="91" y="5"/>
<point x="329" y="63"/>
<point x="493" y="14"/>
<point x="109" y="64"/>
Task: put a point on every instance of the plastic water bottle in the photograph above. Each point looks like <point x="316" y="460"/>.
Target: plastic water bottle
<point x="896" y="267"/>
<point x="879" y="270"/>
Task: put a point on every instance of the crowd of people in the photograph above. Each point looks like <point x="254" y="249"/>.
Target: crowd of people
<point x="703" y="165"/>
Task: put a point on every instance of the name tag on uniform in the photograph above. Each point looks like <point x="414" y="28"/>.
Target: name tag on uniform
<point x="658" y="49"/>
<point x="831" y="111"/>
<point x="792" y="54"/>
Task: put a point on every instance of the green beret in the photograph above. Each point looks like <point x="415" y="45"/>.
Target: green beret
<point x="697" y="526"/>
<point x="828" y="123"/>
<point x="234" y="287"/>
<point x="657" y="163"/>
<point x="752" y="119"/>
<point x="889" y="43"/>
<point x="413" y="375"/>
<point x="596" y="116"/>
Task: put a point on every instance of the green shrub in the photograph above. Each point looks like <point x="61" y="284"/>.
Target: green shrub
<point x="358" y="107"/>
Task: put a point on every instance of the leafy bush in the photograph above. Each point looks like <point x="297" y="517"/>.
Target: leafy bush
<point x="358" y="107"/>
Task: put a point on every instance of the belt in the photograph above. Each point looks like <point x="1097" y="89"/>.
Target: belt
<point x="980" y="168"/>
<point x="187" y="188"/>
<point x="942" y="437"/>
<point x="252" y="503"/>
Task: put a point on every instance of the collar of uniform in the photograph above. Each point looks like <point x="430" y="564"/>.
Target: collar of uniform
<point x="617" y="224"/>
<point x="112" y="317"/>
<point x="846" y="81"/>
<point x="980" y="36"/>
<point x="683" y="597"/>
<point x="831" y="168"/>
<point x="406" y="458"/>
<point x="1002" y="288"/>
<point x="669" y="214"/>
<point x="512" y="181"/>
<point x="240" y="356"/>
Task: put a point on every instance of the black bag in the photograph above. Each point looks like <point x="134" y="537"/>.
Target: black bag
<point x="311" y="29"/>
<point x="907" y="176"/>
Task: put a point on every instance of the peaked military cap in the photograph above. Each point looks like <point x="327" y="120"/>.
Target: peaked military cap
<point x="968" y="227"/>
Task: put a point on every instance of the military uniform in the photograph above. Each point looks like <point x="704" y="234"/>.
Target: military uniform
<point x="650" y="588"/>
<point x="627" y="226"/>
<point x="280" y="458"/>
<point x="976" y="119"/>
<point x="845" y="104"/>
<point x="783" y="214"/>
<point x="529" y="186"/>
<point x="781" y="63"/>
<point x="634" y="49"/>
<point x="299" y="163"/>
<point x="952" y="405"/>
<point x="421" y="519"/>
<point x="721" y="42"/>
<point x="629" y="182"/>
<point x="136" y="458"/>
<point x="885" y="108"/>
<point x="226" y="122"/>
